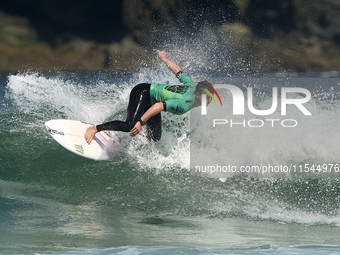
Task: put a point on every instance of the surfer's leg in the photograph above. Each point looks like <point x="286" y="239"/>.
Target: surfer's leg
<point x="154" y="127"/>
<point x="139" y="103"/>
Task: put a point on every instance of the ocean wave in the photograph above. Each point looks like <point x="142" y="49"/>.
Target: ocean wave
<point x="153" y="178"/>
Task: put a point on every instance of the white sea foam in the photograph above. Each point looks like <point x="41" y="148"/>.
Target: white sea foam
<point x="60" y="97"/>
<point x="313" y="140"/>
<point x="237" y="142"/>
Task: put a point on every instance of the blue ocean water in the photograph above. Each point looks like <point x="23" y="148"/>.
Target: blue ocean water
<point x="144" y="200"/>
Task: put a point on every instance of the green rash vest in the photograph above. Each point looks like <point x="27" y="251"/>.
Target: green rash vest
<point x="178" y="99"/>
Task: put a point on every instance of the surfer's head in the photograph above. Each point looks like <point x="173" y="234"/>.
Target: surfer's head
<point x="203" y="87"/>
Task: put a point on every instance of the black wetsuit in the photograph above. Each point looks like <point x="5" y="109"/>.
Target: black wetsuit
<point x="139" y="103"/>
<point x="177" y="99"/>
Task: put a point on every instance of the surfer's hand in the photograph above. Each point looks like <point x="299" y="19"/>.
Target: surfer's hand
<point x="136" y="129"/>
<point x="89" y="134"/>
<point x="161" y="54"/>
<point x="171" y="65"/>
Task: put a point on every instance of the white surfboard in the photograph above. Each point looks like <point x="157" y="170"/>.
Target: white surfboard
<point x="70" y="134"/>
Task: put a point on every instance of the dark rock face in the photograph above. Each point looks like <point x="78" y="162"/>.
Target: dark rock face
<point x="99" y="20"/>
<point x="16" y="31"/>
<point x="265" y="35"/>
<point x="318" y="19"/>
<point x="271" y="18"/>
<point x="151" y="22"/>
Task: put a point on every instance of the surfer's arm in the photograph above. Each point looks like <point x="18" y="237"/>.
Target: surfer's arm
<point x="171" y="65"/>
<point x="152" y="111"/>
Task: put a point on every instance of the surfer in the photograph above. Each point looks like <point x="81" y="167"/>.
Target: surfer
<point x="147" y="101"/>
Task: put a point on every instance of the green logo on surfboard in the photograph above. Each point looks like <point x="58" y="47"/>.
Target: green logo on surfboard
<point x="79" y="148"/>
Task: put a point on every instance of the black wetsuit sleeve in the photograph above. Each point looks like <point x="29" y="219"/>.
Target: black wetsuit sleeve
<point x="105" y="126"/>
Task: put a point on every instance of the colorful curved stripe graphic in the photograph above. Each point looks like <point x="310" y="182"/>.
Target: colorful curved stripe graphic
<point x="210" y="94"/>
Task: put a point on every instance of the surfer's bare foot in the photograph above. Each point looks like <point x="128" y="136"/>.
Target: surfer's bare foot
<point x="89" y="134"/>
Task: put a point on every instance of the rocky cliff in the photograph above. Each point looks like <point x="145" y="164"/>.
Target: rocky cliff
<point x="248" y="35"/>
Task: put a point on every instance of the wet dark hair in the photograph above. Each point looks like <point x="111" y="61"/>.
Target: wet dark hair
<point x="202" y="85"/>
